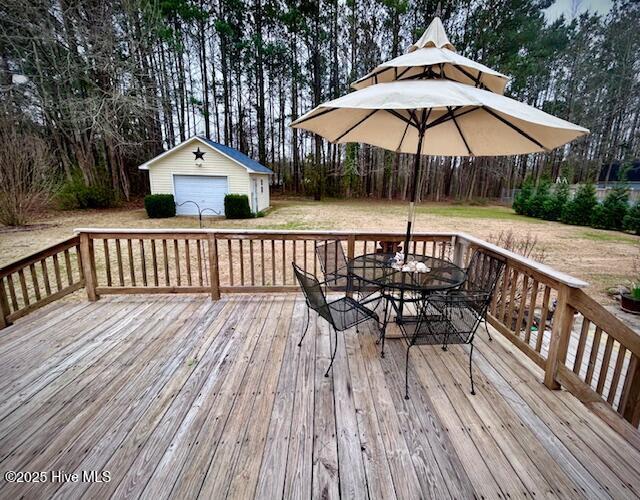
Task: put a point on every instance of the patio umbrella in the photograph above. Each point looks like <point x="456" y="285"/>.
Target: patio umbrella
<point x="433" y="114"/>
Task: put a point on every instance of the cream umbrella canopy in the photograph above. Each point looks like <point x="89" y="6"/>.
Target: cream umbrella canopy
<point x="434" y="56"/>
<point x="433" y="115"/>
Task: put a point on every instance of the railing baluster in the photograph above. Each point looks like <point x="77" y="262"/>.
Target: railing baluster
<point x="593" y="357"/>
<point x="241" y="262"/>
<point x="12" y="292"/>
<point x="119" y="262"/>
<point x="542" y="327"/>
<point x="305" y="255"/>
<point x="56" y="271"/>
<point x="132" y="272"/>
<point x="45" y="276"/>
<point x="199" y="253"/>
<point x="523" y="302"/>
<point x="284" y="261"/>
<point x="69" y="269"/>
<point x="604" y="366"/>
<point x="615" y="379"/>
<point x="503" y="291"/>
<point x="107" y="260"/>
<point x="532" y="310"/>
<point x="176" y="255"/>
<point x="188" y="258"/>
<point x="165" y="255"/>
<point x="273" y="262"/>
<point x="154" y="259"/>
<point x="315" y="259"/>
<point x="23" y="287"/>
<point x="34" y="281"/>
<point x="512" y="298"/>
<point x="143" y="261"/>
<point x="582" y="342"/>
<point x="262" y="270"/>
<point x="230" y="257"/>
<point x="251" y="263"/>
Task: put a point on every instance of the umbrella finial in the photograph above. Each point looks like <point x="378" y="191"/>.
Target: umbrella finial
<point x="439" y="9"/>
<point x="434" y="36"/>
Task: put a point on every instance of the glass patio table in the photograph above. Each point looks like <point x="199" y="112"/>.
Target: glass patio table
<point x="375" y="268"/>
<point x="400" y="287"/>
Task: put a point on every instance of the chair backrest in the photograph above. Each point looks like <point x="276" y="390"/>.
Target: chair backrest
<point x="312" y="290"/>
<point x="331" y="257"/>
<point x="483" y="272"/>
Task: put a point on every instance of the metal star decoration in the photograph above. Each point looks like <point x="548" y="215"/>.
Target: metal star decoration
<point x="199" y="154"/>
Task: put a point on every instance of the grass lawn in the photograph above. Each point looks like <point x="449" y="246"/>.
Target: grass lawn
<point x="603" y="258"/>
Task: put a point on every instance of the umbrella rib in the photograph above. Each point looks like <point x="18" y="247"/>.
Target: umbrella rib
<point x="516" y="128"/>
<point x="324" y="112"/>
<point x="471" y="77"/>
<point x="356" y="125"/>
<point x="447" y="117"/>
<point x="403" y="135"/>
<point x="466" y="144"/>
<point x="400" y="117"/>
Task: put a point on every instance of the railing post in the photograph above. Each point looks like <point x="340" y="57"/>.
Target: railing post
<point x="459" y="249"/>
<point x="88" y="266"/>
<point x="560" y="336"/>
<point x="630" y="402"/>
<point x="351" y="251"/>
<point x="214" y="271"/>
<point x="4" y="306"/>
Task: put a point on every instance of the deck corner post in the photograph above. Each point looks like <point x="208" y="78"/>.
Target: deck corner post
<point x="630" y="401"/>
<point x="214" y="271"/>
<point x="351" y="253"/>
<point x="560" y="336"/>
<point x="4" y="306"/>
<point x="88" y="266"/>
<point x="459" y="249"/>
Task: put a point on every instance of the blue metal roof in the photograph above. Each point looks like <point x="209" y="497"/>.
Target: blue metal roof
<point x="241" y="158"/>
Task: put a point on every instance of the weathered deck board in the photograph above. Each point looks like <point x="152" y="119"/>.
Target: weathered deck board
<point x="180" y="397"/>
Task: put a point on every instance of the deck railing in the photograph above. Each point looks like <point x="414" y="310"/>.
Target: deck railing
<point x="578" y="343"/>
<point x="38" y="279"/>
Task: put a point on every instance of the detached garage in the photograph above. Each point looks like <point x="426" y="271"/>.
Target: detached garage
<point x="199" y="173"/>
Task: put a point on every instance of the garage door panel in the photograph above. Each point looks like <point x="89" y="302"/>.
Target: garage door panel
<point x="207" y="191"/>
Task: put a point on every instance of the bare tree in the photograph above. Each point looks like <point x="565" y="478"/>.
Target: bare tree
<point x="26" y="183"/>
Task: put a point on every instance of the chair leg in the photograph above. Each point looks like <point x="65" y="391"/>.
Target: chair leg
<point x="384" y="322"/>
<point x="333" y="355"/>
<point x="486" y="327"/>
<point x="305" y="328"/>
<point x="473" y="392"/>
<point x="406" y="374"/>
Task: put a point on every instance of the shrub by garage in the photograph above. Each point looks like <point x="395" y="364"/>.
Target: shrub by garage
<point x="236" y="206"/>
<point x="160" y="206"/>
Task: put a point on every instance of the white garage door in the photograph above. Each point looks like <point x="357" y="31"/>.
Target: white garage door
<point x="206" y="191"/>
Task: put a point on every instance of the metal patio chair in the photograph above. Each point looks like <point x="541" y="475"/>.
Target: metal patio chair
<point x="341" y="314"/>
<point x="454" y="317"/>
<point x="334" y="266"/>
<point x="482" y="266"/>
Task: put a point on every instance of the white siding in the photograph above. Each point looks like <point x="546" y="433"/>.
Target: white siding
<point x="263" y="194"/>
<point x="182" y="162"/>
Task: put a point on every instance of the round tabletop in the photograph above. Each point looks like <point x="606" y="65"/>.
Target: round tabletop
<point x="375" y="268"/>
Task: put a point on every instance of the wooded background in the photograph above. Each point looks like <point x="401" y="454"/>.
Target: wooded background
<point x="111" y="84"/>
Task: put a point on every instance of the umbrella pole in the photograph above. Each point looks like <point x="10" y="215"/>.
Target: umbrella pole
<point x="414" y="192"/>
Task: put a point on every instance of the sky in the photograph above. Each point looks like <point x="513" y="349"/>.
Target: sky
<point x="566" y="7"/>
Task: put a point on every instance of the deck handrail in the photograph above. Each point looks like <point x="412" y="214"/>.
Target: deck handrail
<point x="535" y="306"/>
<point x="34" y="285"/>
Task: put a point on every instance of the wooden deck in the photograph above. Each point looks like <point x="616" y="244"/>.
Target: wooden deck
<point x="178" y="396"/>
